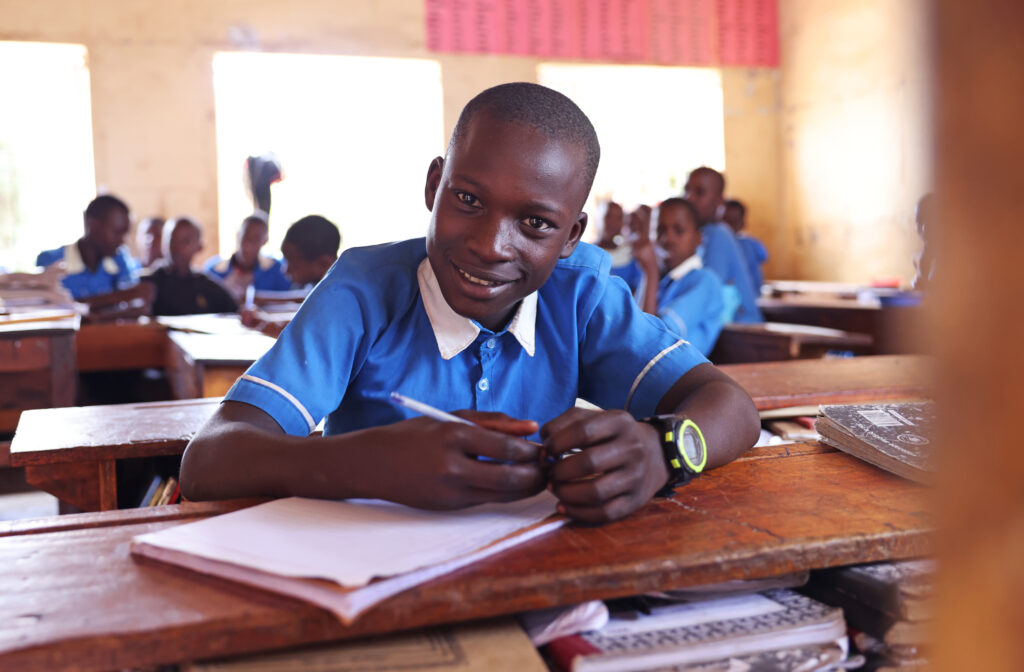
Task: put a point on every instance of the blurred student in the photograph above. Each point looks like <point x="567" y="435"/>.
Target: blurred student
<point x="924" y="265"/>
<point x="754" y="251"/>
<point x="613" y="241"/>
<point x="180" y="290"/>
<point x="98" y="269"/>
<point x="247" y="267"/>
<point x="689" y="298"/>
<point x="719" y="251"/>
<point x="310" y="248"/>
<point x="149" y="240"/>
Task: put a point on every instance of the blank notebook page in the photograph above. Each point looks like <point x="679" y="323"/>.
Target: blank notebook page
<point x="348" y="542"/>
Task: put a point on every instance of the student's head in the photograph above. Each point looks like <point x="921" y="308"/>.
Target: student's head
<point x="705" y="188"/>
<point x="678" y="233"/>
<point x="149" y="239"/>
<point x="924" y="214"/>
<point x="182" y="241"/>
<point x="612" y="220"/>
<point x="252" y="236"/>
<point x="106" y="224"/>
<point x="310" y="247"/>
<point x="507" y="198"/>
<point x="735" y="214"/>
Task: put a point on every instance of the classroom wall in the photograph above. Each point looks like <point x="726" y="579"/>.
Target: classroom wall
<point x="152" y="89"/>
<point x="854" y="133"/>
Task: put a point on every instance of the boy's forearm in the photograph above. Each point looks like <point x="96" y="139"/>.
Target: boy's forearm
<point x="724" y="412"/>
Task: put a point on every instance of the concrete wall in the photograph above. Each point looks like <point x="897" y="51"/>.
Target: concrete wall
<point x="854" y="130"/>
<point x="152" y="90"/>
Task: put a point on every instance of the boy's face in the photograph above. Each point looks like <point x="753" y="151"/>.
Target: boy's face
<point x="253" y="237"/>
<point x="150" y="240"/>
<point x="733" y="216"/>
<point x="300" y="270"/>
<point x="505" y="208"/>
<point x="702" y="190"/>
<point x="678" y="234"/>
<point x="613" y="221"/>
<point x="107" y="233"/>
<point x="184" y="244"/>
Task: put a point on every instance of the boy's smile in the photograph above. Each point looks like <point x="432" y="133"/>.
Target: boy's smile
<point x="505" y="208"/>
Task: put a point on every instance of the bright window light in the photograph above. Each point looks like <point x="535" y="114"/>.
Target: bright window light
<point x="354" y="136"/>
<point x="655" y="124"/>
<point x="46" y="160"/>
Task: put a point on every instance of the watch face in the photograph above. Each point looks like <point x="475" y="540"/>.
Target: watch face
<point x="693" y="446"/>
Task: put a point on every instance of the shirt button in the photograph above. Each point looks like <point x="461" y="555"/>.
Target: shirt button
<point x="490" y="343"/>
<point x="483" y="384"/>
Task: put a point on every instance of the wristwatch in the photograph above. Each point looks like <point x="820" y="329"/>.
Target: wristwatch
<point x="684" y="448"/>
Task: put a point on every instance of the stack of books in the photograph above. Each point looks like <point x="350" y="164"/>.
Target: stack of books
<point x="896" y="437"/>
<point x="161" y="491"/>
<point x="888" y="604"/>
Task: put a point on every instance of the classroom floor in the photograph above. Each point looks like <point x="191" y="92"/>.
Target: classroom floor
<point x="20" y="505"/>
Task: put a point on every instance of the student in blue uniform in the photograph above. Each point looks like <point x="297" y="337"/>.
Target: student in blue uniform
<point x="720" y="252"/>
<point x="754" y="251"/>
<point x="500" y="311"/>
<point x="614" y="243"/>
<point x="98" y="270"/>
<point x="247" y="267"/>
<point x="688" y="298"/>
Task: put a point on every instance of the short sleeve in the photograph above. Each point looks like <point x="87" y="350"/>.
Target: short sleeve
<point x="128" y="269"/>
<point x="48" y="257"/>
<point x="629" y="359"/>
<point x="304" y="376"/>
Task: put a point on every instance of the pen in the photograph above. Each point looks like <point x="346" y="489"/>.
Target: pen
<point x="426" y="409"/>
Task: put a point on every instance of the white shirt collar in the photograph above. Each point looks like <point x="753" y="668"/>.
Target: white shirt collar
<point x="691" y="264"/>
<point x="455" y="333"/>
<point x="73" y="262"/>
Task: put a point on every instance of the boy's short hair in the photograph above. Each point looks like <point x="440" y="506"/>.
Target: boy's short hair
<point x="679" y="202"/>
<point x="733" y="203"/>
<point x="101" y="205"/>
<point x="547" y="110"/>
<point x="314" y="236"/>
<point x="711" y="171"/>
<point x="257" y="216"/>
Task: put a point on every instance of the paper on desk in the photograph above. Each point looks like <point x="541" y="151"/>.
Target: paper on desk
<point x="285" y="545"/>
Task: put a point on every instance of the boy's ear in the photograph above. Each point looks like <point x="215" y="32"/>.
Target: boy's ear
<point x="578" y="227"/>
<point x="434" y="173"/>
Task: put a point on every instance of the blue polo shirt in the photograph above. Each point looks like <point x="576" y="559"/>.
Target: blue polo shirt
<point x="755" y="254"/>
<point x="120" y="271"/>
<point x="378" y="323"/>
<point x="691" y="303"/>
<point x="722" y="254"/>
<point x="267" y="275"/>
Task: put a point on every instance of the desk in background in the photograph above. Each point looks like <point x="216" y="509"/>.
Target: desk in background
<point x="120" y="346"/>
<point x="76" y="599"/>
<point x="37" y="367"/>
<point x="776" y="341"/>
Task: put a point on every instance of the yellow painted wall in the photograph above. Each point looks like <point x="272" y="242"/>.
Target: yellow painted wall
<point x="152" y="88"/>
<point x="854" y="133"/>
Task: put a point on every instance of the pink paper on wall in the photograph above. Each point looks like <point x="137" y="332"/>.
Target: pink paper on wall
<point x="682" y="32"/>
<point x="748" y="33"/>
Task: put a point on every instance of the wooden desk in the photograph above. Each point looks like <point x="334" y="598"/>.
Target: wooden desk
<point x="77" y="600"/>
<point x="37" y="367"/>
<point x="775" y="341"/>
<point x="71" y="452"/>
<point x="207" y="365"/>
<point x="120" y="346"/>
<point x="834" y="381"/>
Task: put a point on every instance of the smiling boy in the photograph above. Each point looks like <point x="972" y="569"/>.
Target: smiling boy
<point x="500" y="311"/>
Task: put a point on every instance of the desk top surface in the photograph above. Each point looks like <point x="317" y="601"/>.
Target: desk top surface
<point x="235" y="349"/>
<point x="78" y="599"/>
<point x="45" y="327"/>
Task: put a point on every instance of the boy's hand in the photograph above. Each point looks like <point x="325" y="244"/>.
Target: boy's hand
<point x="433" y="465"/>
<point x="619" y="468"/>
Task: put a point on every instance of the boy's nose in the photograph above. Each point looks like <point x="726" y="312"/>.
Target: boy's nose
<point x="492" y="240"/>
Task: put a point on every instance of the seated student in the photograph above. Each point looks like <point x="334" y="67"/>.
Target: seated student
<point x="180" y="290"/>
<point x="310" y="248"/>
<point x="99" y="271"/>
<point x="149" y="241"/>
<point x="754" y="251"/>
<point x="689" y="298"/>
<point x="720" y="251"/>
<point x="614" y="243"/>
<point x="247" y="267"/>
<point x="500" y="311"/>
<point x="924" y="264"/>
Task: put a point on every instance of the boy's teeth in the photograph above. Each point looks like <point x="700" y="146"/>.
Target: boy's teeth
<point x="475" y="279"/>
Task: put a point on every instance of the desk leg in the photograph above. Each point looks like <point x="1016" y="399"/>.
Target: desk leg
<point x="107" y="478"/>
<point x="87" y="486"/>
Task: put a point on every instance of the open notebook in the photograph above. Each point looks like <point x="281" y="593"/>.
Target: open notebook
<point x="346" y="556"/>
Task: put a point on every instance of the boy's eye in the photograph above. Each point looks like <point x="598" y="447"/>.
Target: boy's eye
<point x="538" y="224"/>
<point x="467" y="198"/>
